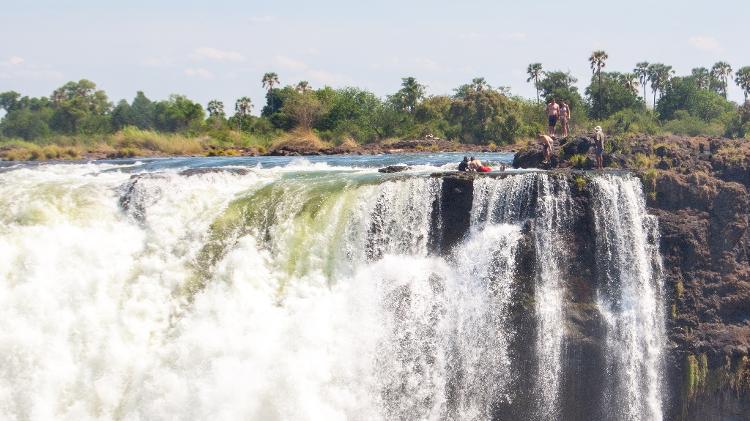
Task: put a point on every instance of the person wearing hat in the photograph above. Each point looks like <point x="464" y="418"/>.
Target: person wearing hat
<point x="599" y="146"/>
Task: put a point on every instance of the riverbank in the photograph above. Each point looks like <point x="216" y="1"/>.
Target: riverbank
<point x="134" y="143"/>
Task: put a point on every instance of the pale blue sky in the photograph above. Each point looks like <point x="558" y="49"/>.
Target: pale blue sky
<point x="220" y="49"/>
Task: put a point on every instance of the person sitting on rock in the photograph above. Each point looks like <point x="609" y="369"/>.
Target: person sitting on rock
<point x="464" y="165"/>
<point x="474" y="164"/>
<point x="599" y="146"/>
<point x="547" y="143"/>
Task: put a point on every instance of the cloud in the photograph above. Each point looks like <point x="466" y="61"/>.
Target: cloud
<point x="208" y="53"/>
<point x="15" y="60"/>
<point x="289" y="63"/>
<point x="705" y="43"/>
<point x="470" y="35"/>
<point x="199" y="73"/>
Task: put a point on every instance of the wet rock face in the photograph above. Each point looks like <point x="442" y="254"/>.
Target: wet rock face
<point x="455" y="210"/>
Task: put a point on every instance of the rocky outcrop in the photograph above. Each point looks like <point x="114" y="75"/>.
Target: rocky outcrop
<point x="699" y="190"/>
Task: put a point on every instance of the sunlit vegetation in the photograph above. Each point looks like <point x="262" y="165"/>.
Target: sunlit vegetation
<point x="78" y="120"/>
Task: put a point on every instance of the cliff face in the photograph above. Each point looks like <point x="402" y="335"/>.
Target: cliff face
<point x="698" y="189"/>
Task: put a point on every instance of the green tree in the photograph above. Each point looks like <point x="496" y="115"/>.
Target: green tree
<point x="535" y="72"/>
<point x="610" y="92"/>
<point x="598" y="60"/>
<point x="270" y="80"/>
<point x="142" y="112"/>
<point x="630" y="82"/>
<point x="721" y="72"/>
<point x="683" y="94"/>
<point x="659" y="75"/>
<point x="702" y="77"/>
<point x="80" y="108"/>
<point x="215" y="109"/>
<point x="303" y="87"/>
<point x="742" y="78"/>
<point x="303" y="109"/>
<point x="178" y="113"/>
<point x="408" y="97"/>
<point x="242" y="109"/>
<point x="121" y="115"/>
<point x="483" y="114"/>
<point x="641" y="69"/>
<point x="9" y="101"/>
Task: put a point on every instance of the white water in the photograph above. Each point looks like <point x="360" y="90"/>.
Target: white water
<point x="292" y="293"/>
<point x="630" y="297"/>
<point x="546" y="202"/>
<point x="320" y="302"/>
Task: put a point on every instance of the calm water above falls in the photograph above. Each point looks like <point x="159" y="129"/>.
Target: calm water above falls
<point x="312" y="289"/>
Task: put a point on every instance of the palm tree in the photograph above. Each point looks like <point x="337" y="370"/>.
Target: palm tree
<point x="534" y="71"/>
<point x="659" y="75"/>
<point x="269" y="80"/>
<point x="742" y="78"/>
<point x="702" y="77"/>
<point x="598" y="60"/>
<point x="242" y="108"/>
<point x="641" y="69"/>
<point x="630" y="82"/>
<point x="411" y="93"/>
<point x="215" y="108"/>
<point x="479" y="84"/>
<point x="721" y="72"/>
<point x="303" y="87"/>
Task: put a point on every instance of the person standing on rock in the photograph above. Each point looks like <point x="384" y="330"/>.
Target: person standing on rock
<point x="599" y="146"/>
<point x="564" y="117"/>
<point x="547" y="143"/>
<point x="553" y="112"/>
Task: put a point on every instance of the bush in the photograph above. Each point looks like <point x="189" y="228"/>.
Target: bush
<point x="686" y="124"/>
<point x="631" y="121"/>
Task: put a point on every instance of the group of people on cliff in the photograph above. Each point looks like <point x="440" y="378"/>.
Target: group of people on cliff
<point x="558" y="113"/>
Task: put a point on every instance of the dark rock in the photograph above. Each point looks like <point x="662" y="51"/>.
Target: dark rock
<point x="394" y="168"/>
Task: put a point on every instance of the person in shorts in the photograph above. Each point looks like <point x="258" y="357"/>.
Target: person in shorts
<point x="599" y="146"/>
<point x="553" y="112"/>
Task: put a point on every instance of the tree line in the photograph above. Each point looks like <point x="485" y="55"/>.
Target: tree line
<point x="475" y="112"/>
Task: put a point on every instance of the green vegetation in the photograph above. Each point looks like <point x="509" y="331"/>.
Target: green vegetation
<point x="80" y="120"/>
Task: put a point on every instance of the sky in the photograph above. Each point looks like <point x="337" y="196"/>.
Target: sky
<point x="220" y="49"/>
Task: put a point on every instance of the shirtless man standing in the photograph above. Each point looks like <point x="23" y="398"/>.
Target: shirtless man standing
<point x="553" y="112"/>
<point x="546" y="147"/>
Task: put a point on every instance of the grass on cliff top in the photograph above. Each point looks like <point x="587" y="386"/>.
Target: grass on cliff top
<point x="300" y="140"/>
<point x="133" y="142"/>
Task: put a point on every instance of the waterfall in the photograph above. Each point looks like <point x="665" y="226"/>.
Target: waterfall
<point x="312" y="293"/>
<point x="545" y="201"/>
<point x="629" y="297"/>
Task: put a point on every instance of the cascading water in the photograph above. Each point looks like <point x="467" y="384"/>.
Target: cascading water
<point x="630" y="297"/>
<point x="305" y="292"/>
<point x="545" y="201"/>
